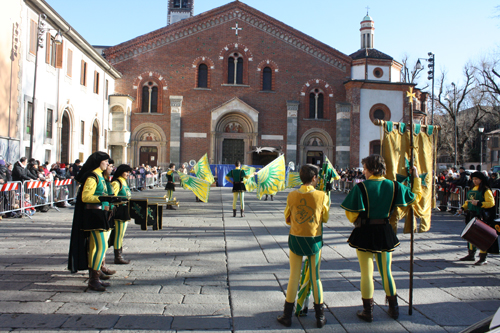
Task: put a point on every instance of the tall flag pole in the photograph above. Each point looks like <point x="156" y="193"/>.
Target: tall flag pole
<point x="411" y="95"/>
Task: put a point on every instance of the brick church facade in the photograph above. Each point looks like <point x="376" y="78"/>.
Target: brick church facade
<point x="237" y="84"/>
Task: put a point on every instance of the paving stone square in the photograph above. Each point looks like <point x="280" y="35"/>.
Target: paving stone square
<point x="209" y="271"/>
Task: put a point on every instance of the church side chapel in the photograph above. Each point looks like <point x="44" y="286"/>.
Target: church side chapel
<point x="238" y="84"/>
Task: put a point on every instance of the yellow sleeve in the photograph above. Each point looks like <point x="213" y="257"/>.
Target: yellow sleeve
<point x="116" y="187"/>
<point x="170" y="172"/>
<point x="229" y="179"/>
<point x="326" y="209"/>
<point x="417" y="188"/>
<point x="489" y="201"/>
<point x="89" y="190"/>
<point x="351" y="216"/>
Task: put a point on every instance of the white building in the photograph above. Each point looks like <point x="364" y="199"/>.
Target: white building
<point x="73" y="84"/>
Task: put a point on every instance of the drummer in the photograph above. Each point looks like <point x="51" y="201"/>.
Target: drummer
<point x="480" y="204"/>
<point x="122" y="216"/>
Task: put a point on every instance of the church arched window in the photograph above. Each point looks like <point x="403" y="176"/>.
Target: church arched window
<point x="184" y="4"/>
<point x="235" y="69"/>
<point x="202" y="76"/>
<point x="267" y="79"/>
<point x="177" y="3"/>
<point x="316" y="104"/>
<point x="149" y="97"/>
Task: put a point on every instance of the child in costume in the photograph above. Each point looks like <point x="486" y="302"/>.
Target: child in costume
<point x="368" y="205"/>
<point x="481" y="204"/>
<point x="170" y="187"/>
<point x="306" y="211"/>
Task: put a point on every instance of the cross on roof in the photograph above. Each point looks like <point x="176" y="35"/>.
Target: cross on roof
<point x="236" y="28"/>
<point x="367" y="9"/>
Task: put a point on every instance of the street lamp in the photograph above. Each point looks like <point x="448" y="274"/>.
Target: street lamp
<point x="42" y="29"/>
<point x="481" y="130"/>
<point x="430" y="76"/>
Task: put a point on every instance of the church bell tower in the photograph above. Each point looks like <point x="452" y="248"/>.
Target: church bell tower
<point x="179" y="10"/>
<point x="367" y="32"/>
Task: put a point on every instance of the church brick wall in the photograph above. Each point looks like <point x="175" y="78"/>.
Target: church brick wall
<point x="174" y="62"/>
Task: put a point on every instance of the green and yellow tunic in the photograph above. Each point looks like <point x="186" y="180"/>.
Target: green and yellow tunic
<point x="306" y="210"/>
<point x="369" y="206"/>
<point x="237" y="175"/>
<point x="95" y="215"/>
<point x="121" y="189"/>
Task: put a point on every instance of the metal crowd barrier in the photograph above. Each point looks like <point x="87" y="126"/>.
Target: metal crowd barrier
<point x="10" y="193"/>
<point x="64" y="190"/>
<point x="140" y="182"/>
<point x="150" y="181"/>
<point x="132" y="182"/>
<point x="35" y="193"/>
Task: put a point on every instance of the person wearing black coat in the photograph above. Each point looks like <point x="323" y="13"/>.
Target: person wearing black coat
<point x="494" y="181"/>
<point x="4" y="173"/>
<point x="20" y="172"/>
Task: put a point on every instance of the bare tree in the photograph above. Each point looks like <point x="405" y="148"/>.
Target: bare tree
<point x="489" y="82"/>
<point x="461" y="106"/>
<point x="409" y="75"/>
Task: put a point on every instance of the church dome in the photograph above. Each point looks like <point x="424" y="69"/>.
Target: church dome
<point x="367" y="18"/>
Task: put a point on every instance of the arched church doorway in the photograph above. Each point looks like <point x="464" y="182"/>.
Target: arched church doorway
<point x="148" y="156"/>
<point x="65" y="130"/>
<point x="95" y="137"/>
<point x="233" y="150"/>
<point x="314" y="157"/>
<point x="315" y="145"/>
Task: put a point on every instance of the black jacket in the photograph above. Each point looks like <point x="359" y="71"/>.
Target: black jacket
<point x="5" y="174"/>
<point x="462" y="181"/>
<point x="21" y="174"/>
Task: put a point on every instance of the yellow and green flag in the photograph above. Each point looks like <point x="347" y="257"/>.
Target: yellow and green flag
<point x="200" y="187"/>
<point x="202" y="169"/>
<point x="293" y="179"/>
<point x="250" y="183"/>
<point x="396" y="152"/>
<point x="271" y="178"/>
<point x="328" y="172"/>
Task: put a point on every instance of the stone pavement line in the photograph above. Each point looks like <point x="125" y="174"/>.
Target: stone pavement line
<point x="209" y="271"/>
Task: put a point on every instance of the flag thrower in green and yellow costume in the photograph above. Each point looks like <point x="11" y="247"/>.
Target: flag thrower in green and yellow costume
<point x="237" y="177"/>
<point x="200" y="187"/>
<point x="327" y="175"/>
<point x="271" y="178"/>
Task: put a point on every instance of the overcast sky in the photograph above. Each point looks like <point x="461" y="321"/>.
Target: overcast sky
<point x="455" y="31"/>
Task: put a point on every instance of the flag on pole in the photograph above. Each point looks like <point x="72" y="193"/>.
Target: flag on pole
<point x="250" y="183"/>
<point x="396" y="152"/>
<point x="202" y="169"/>
<point x="200" y="187"/>
<point x="328" y="173"/>
<point x="271" y="178"/>
<point x="293" y="179"/>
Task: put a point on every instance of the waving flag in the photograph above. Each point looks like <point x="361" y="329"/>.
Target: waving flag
<point x="250" y="183"/>
<point x="200" y="187"/>
<point x="293" y="179"/>
<point x="271" y="178"/>
<point x="202" y="169"/>
<point x="328" y="173"/>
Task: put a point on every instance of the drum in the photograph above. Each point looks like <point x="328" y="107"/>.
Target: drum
<point x="479" y="234"/>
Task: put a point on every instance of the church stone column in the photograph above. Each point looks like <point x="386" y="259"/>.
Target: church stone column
<point x="175" y="129"/>
<point x="292" y="108"/>
<point x="343" y="135"/>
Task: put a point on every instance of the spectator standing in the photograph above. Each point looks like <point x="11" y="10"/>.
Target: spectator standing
<point x="20" y="172"/>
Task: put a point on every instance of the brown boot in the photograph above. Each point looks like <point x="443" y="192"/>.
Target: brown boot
<point x="94" y="283"/>
<point x="286" y="317"/>
<point x="105" y="269"/>
<point x="119" y="260"/>
<point x="242" y="213"/>
<point x="367" y="313"/>
<point x="234" y="212"/>
<point x="470" y="257"/>
<point x="103" y="276"/>
<point x="482" y="259"/>
<point x="393" y="306"/>
<point x="320" y="314"/>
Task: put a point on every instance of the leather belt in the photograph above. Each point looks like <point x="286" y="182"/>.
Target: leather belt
<point x="360" y="222"/>
<point x="93" y="206"/>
